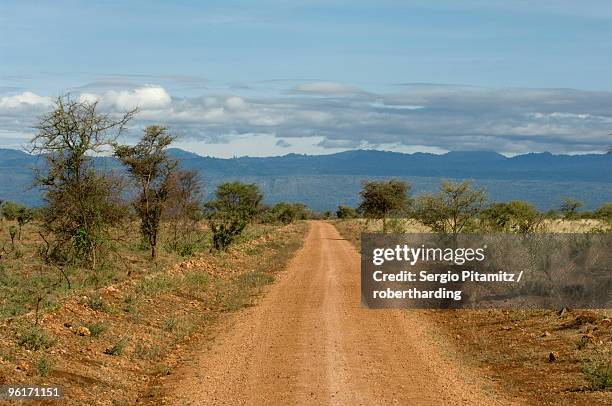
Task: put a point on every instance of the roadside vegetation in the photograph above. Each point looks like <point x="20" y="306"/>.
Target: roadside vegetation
<point x="103" y="288"/>
<point x="545" y="356"/>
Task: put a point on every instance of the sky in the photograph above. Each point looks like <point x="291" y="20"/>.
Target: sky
<point x="271" y="77"/>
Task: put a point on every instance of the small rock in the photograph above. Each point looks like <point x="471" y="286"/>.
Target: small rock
<point x="553" y="356"/>
<point x="545" y="334"/>
<point x="22" y="366"/>
<point x="563" y="311"/>
<point x="83" y="331"/>
<point x="606" y="321"/>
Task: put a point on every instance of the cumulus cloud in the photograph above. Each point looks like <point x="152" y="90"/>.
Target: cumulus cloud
<point x="146" y="98"/>
<point x="24" y="100"/>
<point x="426" y="117"/>
<point x="143" y="98"/>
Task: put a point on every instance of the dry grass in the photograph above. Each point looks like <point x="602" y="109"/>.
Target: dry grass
<point x="512" y="347"/>
<point x="110" y="344"/>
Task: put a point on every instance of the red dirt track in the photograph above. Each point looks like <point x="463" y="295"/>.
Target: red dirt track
<point x="309" y="341"/>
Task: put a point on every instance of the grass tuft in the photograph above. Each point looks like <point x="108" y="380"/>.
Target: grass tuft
<point x="96" y="328"/>
<point x="44" y="366"/>
<point x="598" y="374"/>
<point x="155" y="284"/>
<point x="180" y="326"/>
<point x="117" y="348"/>
<point x="152" y="352"/>
<point x="97" y="303"/>
<point x="35" y="338"/>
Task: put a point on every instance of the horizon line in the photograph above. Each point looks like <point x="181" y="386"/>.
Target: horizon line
<point x="505" y="155"/>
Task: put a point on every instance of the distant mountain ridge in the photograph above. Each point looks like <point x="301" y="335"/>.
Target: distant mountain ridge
<point x="324" y="181"/>
<point x="469" y="164"/>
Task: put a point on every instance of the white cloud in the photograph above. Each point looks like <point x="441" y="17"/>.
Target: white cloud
<point x="24" y="100"/>
<point x="145" y="98"/>
<point x="235" y="103"/>
<point x="88" y="98"/>
<point x="425" y="117"/>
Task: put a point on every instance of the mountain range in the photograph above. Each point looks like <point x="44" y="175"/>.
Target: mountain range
<point x="325" y="181"/>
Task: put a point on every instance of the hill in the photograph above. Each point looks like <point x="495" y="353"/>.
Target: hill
<point x="324" y="181"/>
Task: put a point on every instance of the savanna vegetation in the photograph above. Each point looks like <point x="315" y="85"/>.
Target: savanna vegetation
<point x="122" y="266"/>
<point x="547" y="356"/>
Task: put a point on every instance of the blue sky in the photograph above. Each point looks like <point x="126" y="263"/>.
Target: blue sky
<point x="271" y="77"/>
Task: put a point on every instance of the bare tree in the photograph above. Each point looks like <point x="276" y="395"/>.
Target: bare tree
<point x="182" y="210"/>
<point x="82" y="202"/>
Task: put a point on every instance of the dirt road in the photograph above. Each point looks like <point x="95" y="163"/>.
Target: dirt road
<point x="308" y="341"/>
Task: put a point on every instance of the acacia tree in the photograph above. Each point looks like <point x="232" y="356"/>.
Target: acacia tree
<point x="82" y="203"/>
<point x="151" y="167"/>
<point x="452" y="209"/>
<point x="236" y="205"/>
<point x="569" y="208"/>
<point x="381" y="199"/>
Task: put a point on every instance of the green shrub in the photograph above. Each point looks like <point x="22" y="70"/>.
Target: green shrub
<point x="286" y="213"/>
<point x="234" y="207"/>
<point x="44" y="366"/>
<point x="185" y="248"/>
<point x="346" y="212"/>
<point x="598" y="374"/>
<point x="10" y="210"/>
<point x="514" y="216"/>
<point x="604" y="213"/>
